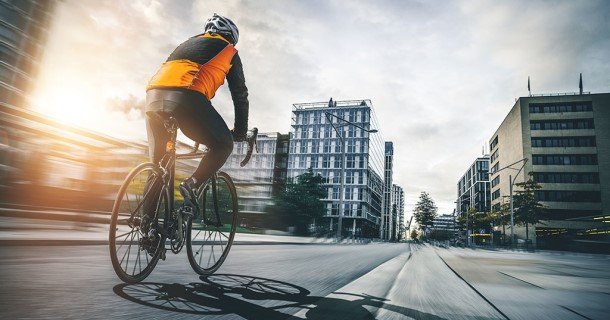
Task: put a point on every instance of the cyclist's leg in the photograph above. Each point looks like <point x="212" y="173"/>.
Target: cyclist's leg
<point x="156" y="133"/>
<point x="201" y="122"/>
<point x="157" y="139"/>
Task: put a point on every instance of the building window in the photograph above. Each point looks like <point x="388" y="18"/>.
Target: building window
<point x="495" y="181"/>
<point x="568" y="196"/>
<point x="495" y="195"/>
<point x="565" y="142"/>
<point x="566" y="177"/>
<point x="494" y="156"/>
<point x="564" y="160"/>
<point x="561" y="107"/>
<point x="493" y="143"/>
<point x="495" y="167"/>
<point x="568" y="124"/>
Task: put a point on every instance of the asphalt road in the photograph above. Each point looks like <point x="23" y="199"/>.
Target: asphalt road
<point x="373" y="281"/>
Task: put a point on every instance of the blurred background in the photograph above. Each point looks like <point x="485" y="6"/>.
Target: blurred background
<point x="51" y="161"/>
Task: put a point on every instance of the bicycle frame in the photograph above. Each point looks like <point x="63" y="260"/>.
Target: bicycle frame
<point x="167" y="165"/>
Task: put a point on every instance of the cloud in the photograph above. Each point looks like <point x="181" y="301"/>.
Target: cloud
<point x="130" y="105"/>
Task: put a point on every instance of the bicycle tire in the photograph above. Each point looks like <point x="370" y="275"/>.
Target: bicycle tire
<point x="122" y="195"/>
<point x="231" y="205"/>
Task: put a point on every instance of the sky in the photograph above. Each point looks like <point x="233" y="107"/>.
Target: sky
<point x="442" y="75"/>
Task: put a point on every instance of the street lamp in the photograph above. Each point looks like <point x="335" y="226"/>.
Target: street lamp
<point x="329" y="117"/>
<point x="511" y="182"/>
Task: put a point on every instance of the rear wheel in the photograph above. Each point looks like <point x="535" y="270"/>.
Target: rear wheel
<point x="135" y="244"/>
<point x="209" y="240"/>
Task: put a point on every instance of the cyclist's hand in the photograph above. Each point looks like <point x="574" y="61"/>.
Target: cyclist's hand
<point x="239" y="135"/>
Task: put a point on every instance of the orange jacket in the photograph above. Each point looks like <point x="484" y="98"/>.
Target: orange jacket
<point x="201" y="64"/>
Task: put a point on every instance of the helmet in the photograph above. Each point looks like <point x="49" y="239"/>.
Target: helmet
<point x="223" y="26"/>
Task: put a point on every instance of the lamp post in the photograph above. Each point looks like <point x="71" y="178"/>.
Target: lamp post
<point x="511" y="182"/>
<point x="329" y="117"/>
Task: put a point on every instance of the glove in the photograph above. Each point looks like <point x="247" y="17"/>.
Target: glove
<point x="239" y="135"/>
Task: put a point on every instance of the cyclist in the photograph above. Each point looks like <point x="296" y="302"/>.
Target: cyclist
<point x="184" y="86"/>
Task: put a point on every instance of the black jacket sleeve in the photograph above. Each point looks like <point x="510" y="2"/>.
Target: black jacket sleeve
<point x="239" y="93"/>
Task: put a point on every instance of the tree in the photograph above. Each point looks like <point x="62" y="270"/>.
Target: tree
<point x="300" y="202"/>
<point x="499" y="217"/>
<point x="472" y="220"/>
<point x="494" y="218"/>
<point x="413" y="234"/>
<point x="526" y="206"/>
<point x="425" y="211"/>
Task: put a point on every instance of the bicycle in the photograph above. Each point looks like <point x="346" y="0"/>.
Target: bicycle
<point x="155" y="227"/>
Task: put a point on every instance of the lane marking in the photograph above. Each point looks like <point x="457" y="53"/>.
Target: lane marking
<point x="366" y="280"/>
<point x="508" y="275"/>
<point x="472" y="287"/>
<point x="576" y="312"/>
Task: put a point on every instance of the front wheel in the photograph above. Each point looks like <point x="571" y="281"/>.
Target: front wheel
<point x="211" y="232"/>
<point x="135" y="244"/>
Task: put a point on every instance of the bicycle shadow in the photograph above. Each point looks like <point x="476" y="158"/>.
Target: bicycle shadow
<point x="258" y="298"/>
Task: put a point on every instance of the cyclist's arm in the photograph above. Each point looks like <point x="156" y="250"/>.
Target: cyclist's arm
<point x="239" y="93"/>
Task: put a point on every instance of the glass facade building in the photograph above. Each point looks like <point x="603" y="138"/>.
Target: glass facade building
<point x="315" y="144"/>
<point x="445" y="222"/>
<point x="388" y="221"/>
<point x="398" y="200"/>
<point x="473" y="189"/>
<point x="260" y="179"/>
<point x="24" y="26"/>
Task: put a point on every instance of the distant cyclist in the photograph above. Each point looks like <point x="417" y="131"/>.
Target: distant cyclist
<point x="184" y="86"/>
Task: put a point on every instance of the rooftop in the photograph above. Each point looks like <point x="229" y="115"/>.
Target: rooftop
<point x="333" y="104"/>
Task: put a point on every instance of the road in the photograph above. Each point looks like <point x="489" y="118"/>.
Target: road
<point x="309" y="281"/>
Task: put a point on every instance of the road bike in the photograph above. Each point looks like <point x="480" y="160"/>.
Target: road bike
<point x="147" y="221"/>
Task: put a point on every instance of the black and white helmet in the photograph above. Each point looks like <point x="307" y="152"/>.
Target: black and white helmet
<point x="223" y="26"/>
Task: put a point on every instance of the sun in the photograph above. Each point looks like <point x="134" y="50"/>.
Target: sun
<point x="73" y="104"/>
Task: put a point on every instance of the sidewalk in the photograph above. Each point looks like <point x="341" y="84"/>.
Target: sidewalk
<point x="100" y="237"/>
<point x="52" y="227"/>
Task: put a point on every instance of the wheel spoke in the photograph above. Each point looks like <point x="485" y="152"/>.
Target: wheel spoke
<point x="127" y="233"/>
<point x="146" y="255"/>
<point x="127" y="252"/>
<point x="127" y="224"/>
<point x="128" y="201"/>
<point x="210" y="238"/>
<point x="123" y="242"/>
<point x="224" y="235"/>
<point x="138" y="257"/>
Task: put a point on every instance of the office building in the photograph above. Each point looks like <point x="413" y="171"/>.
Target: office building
<point x="444" y="222"/>
<point x="315" y="144"/>
<point x="24" y="27"/>
<point x="566" y="140"/>
<point x="262" y="178"/>
<point x="473" y="188"/>
<point x="387" y="231"/>
<point x="398" y="202"/>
